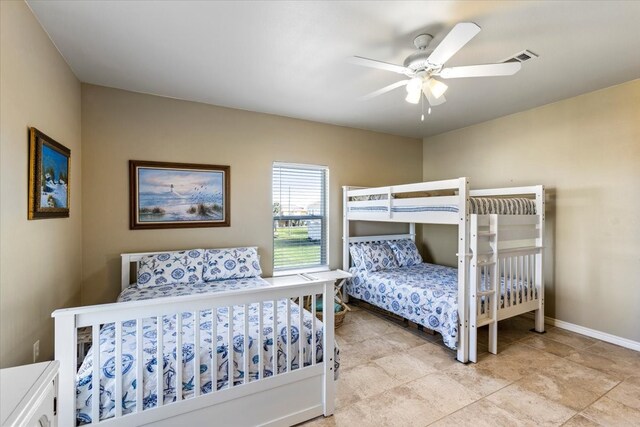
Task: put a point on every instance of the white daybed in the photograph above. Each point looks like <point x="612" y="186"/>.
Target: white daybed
<point x="500" y="266"/>
<point x="282" y="376"/>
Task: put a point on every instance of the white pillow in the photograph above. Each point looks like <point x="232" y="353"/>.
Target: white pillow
<point x="233" y="263"/>
<point x="377" y="256"/>
<point x="406" y="252"/>
<point x="356" y="256"/>
<point x="171" y="268"/>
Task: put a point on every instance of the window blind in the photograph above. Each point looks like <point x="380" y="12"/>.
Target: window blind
<point x="299" y="216"/>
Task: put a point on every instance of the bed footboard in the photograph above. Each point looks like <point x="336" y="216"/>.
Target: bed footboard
<point x="265" y="367"/>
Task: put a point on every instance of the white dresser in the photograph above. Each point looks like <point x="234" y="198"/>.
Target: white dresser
<point x="27" y="395"/>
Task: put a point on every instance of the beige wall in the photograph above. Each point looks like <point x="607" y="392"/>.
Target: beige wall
<point x="40" y="266"/>
<point x="586" y="151"/>
<point x="118" y="126"/>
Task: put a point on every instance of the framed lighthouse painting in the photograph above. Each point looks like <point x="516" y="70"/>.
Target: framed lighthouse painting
<point x="178" y="195"/>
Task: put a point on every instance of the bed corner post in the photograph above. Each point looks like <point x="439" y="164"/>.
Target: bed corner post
<point x="345" y="236"/>
<point x="328" y="388"/>
<point x="65" y="347"/>
<point x="463" y="270"/>
<point x="540" y="210"/>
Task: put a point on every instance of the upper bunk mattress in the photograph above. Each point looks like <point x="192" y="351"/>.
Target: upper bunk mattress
<point x="479" y="205"/>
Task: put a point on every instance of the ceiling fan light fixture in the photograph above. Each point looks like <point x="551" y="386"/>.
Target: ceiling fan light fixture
<point x="437" y="88"/>
<point x="414" y="85"/>
<point x="413" y="97"/>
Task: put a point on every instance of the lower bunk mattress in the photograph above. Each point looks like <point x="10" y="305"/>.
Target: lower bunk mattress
<point x="225" y="352"/>
<point x="426" y="294"/>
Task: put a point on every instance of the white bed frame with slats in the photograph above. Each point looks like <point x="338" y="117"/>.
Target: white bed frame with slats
<point x="282" y="399"/>
<point x="489" y="246"/>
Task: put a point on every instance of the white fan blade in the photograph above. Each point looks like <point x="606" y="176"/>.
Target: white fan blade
<point x="453" y="42"/>
<point x="486" y="70"/>
<point x="385" y="89"/>
<point x="372" y="63"/>
<point x="433" y="101"/>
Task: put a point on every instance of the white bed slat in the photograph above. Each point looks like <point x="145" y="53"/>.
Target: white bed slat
<point x="230" y="358"/>
<point x="313" y="329"/>
<point x="118" y="369"/>
<point x="139" y="365"/>
<point x="260" y="340"/>
<point x="196" y="356"/>
<point x="214" y="349"/>
<point x="302" y="336"/>
<point x="179" y="365"/>
<point x="288" y="326"/>
<point x="274" y="347"/>
<point x="245" y="343"/>
<point x="95" y="379"/>
<point x="159" y="361"/>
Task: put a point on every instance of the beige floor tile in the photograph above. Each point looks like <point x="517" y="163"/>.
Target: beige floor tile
<point x="616" y="353"/>
<point x="550" y="346"/>
<point x="351" y="356"/>
<point x="569" y="338"/>
<point x="442" y="392"/>
<point x="362" y="382"/>
<point x="399" y="407"/>
<point x="530" y="407"/>
<point x="516" y="361"/>
<point x="580" y="421"/>
<point x="404" y="340"/>
<point x="354" y="332"/>
<point x="435" y="355"/>
<point x="481" y="414"/>
<point x="476" y="378"/>
<point x="608" y="412"/>
<point x="627" y="392"/>
<point x="604" y="363"/>
<point x="569" y="384"/>
<point x="404" y="367"/>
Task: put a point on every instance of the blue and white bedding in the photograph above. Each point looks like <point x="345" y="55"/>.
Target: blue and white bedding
<point x="478" y="205"/>
<point x="426" y="294"/>
<point x="264" y="362"/>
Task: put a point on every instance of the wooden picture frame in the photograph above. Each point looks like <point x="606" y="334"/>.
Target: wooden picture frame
<point x="178" y="195"/>
<point x="49" y="172"/>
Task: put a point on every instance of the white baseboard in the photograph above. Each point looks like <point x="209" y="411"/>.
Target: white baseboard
<point x="592" y="333"/>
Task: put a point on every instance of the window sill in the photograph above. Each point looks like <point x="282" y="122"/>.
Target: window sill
<point x="301" y="270"/>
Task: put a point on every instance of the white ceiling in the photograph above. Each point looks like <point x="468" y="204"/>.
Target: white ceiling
<point x="289" y="58"/>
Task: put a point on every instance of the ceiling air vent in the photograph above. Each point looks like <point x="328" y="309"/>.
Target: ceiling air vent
<point x="523" y="56"/>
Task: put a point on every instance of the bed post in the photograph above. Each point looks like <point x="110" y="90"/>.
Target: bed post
<point x="65" y="352"/>
<point x="540" y="210"/>
<point x="345" y="237"/>
<point x="328" y="389"/>
<point x="463" y="271"/>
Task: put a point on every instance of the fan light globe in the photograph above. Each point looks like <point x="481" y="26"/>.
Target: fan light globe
<point x="413" y="97"/>
<point x="437" y="88"/>
<point x="414" y="85"/>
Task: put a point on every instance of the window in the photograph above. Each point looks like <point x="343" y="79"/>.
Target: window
<point x="299" y="217"/>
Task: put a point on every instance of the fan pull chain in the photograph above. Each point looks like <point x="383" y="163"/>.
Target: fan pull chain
<point x="422" y="100"/>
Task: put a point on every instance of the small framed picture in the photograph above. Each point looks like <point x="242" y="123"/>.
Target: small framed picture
<point x="178" y="195"/>
<point x="49" y="186"/>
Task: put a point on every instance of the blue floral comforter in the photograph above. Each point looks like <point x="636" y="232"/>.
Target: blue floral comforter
<point x="260" y="359"/>
<point x="426" y="294"/>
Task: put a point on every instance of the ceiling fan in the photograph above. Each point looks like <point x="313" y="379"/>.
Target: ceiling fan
<point x="423" y="67"/>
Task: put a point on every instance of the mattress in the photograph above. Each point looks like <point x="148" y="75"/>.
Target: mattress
<point x="478" y="205"/>
<point x="426" y="294"/>
<point x="209" y="380"/>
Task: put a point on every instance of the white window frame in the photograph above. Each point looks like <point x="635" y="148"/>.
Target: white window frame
<point x="293" y="271"/>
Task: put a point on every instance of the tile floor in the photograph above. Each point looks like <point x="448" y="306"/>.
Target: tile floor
<point x="394" y="376"/>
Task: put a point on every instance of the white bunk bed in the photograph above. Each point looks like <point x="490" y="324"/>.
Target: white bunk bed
<point x="500" y="263"/>
<point x="290" y="375"/>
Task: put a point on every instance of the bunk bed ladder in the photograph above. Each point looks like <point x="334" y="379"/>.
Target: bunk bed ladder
<point x="485" y="278"/>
